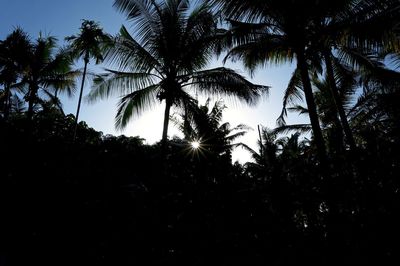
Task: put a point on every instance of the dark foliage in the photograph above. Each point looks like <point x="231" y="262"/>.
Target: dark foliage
<point x="108" y="200"/>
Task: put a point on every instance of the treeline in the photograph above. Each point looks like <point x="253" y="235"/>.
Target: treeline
<point x="114" y="200"/>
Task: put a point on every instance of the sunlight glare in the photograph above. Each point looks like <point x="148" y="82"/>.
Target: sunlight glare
<point x="195" y="145"/>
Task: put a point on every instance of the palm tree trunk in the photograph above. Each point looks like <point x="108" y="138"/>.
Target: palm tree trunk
<point x="312" y="109"/>
<point x="261" y="142"/>
<point x="30" y="110"/>
<point x="80" y="97"/>
<point x="31" y="101"/>
<point x="7" y="101"/>
<point x="166" y="120"/>
<point x="33" y="88"/>
<point x="338" y="102"/>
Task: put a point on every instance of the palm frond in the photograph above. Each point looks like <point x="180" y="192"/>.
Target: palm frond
<point x="145" y="14"/>
<point x="54" y="100"/>
<point x="119" y="83"/>
<point x="242" y="127"/>
<point x="372" y="24"/>
<point x="255" y="155"/>
<point x="302" y="128"/>
<point x="269" y="48"/>
<point x="394" y="59"/>
<point x="226" y="82"/>
<point x="299" y="109"/>
<point x="357" y="58"/>
<point x="199" y="40"/>
<point x="17" y="105"/>
<point x="64" y="82"/>
<point x="236" y="135"/>
<point x="128" y="54"/>
<point x="135" y="104"/>
<point x="293" y="92"/>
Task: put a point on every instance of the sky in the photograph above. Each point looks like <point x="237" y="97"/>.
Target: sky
<point x="63" y="18"/>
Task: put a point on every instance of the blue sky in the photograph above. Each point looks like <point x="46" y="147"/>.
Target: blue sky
<point x="63" y="18"/>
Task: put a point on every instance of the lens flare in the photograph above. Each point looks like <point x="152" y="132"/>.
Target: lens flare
<point x="195" y="145"/>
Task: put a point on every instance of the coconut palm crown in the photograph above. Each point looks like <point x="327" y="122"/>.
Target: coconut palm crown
<point x="172" y="45"/>
<point x="47" y="69"/>
<point x="13" y="54"/>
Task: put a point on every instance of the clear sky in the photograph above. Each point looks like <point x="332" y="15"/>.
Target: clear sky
<point x="63" y="18"/>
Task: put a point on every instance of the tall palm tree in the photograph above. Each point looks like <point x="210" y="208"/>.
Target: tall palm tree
<point x="165" y="58"/>
<point x="89" y="43"/>
<point x="305" y="30"/>
<point x="342" y="31"/>
<point x="46" y="70"/>
<point x="376" y="81"/>
<point x="345" y="82"/>
<point x="377" y="105"/>
<point x="276" y="32"/>
<point x="13" y="54"/>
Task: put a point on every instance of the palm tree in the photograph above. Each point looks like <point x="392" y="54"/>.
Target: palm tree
<point x="377" y="105"/>
<point x="45" y="71"/>
<point x="88" y="44"/>
<point x="327" y="111"/>
<point x="276" y="32"/>
<point x="203" y="125"/>
<point x="343" y="32"/>
<point x="173" y="44"/>
<point x="266" y="158"/>
<point x="281" y="33"/>
<point x="273" y="155"/>
<point x="13" y="54"/>
<point x="377" y="83"/>
<point x="328" y="114"/>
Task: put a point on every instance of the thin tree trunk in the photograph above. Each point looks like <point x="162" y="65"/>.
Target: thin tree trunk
<point x="7" y="101"/>
<point x="338" y="102"/>
<point x="31" y="101"/>
<point x="80" y="98"/>
<point x="57" y="102"/>
<point x="261" y="142"/>
<point x="312" y="109"/>
<point x="166" y="121"/>
<point x="186" y="124"/>
<point x="30" y="110"/>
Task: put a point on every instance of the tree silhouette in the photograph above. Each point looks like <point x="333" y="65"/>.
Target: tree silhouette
<point x="342" y="31"/>
<point x="13" y="54"/>
<point x="269" y="31"/>
<point x="88" y="44"/>
<point x="45" y="70"/>
<point x="165" y="59"/>
<point x="280" y="34"/>
<point x="203" y="125"/>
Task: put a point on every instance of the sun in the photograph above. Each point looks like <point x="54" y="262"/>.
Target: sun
<point x="195" y="145"/>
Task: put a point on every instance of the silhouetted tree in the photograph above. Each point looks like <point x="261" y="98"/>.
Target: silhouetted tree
<point x="90" y="43"/>
<point x="166" y="58"/>
<point x="45" y="70"/>
<point x="269" y="31"/>
<point x="13" y="54"/>
<point x="203" y="126"/>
